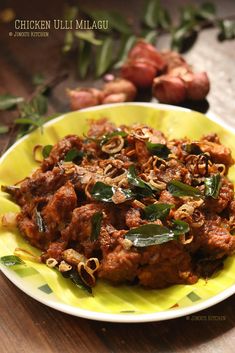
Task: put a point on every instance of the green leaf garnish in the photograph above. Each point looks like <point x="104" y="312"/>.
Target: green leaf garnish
<point x="104" y="56"/>
<point x="127" y="44"/>
<point x="157" y="211"/>
<point x="68" y="41"/>
<point x="73" y="275"/>
<point x="158" y="149"/>
<point x="40" y="222"/>
<point x="178" y="189"/>
<point x="8" y="101"/>
<point x="192" y="148"/>
<point x="143" y="189"/>
<point x="180" y="227"/>
<point x="88" y="36"/>
<point x="73" y="155"/>
<point x="102" y="192"/>
<point x="115" y="19"/>
<point x="11" y="260"/>
<point x="107" y="137"/>
<point x="149" y="234"/>
<point x="46" y="151"/>
<point x="84" y="58"/>
<point x="96" y="221"/>
<point x="212" y="186"/>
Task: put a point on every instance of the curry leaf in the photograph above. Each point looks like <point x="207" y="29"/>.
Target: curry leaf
<point x="206" y="11"/>
<point x="68" y="42"/>
<point x="115" y="20"/>
<point x="212" y="186"/>
<point x="73" y="275"/>
<point x="181" y="35"/>
<point x="151" y="13"/>
<point x="157" y="211"/>
<point x="180" y="227"/>
<point x="8" y="101"/>
<point x="149" y="234"/>
<point x="84" y="58"/>
<point x="96" y="221"/>
<point x="143" y="189"/>
<point x="192" y="148"/>
<point x="88" y="36"/>
<point x="177" y="188"/>
<point x="11" y="260"/>
<point x="40" y="222"/>
<point x="73" y="154"/>
<point x="104" y="56"/>
<point x="150" y="36"/>
<point x="70" y="13"/>
<point x="102" y="192"/>
<point x="158" y="149"/>
<point x="46" y="151"/>
<point x="126" y="46"/>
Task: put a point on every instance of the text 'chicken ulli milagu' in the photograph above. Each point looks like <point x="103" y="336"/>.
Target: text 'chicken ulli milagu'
<point x="128" y="205"/>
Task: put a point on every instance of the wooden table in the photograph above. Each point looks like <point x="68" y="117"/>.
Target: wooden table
<point x="28" y="326"/>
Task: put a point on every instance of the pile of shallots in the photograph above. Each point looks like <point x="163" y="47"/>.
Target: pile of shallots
<point x="170" y="76"/>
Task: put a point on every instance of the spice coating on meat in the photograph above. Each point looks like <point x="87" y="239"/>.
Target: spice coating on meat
<point x="120" y="185"/>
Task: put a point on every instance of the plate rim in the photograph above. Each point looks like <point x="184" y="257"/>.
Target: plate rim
<point x="122" y="318"/>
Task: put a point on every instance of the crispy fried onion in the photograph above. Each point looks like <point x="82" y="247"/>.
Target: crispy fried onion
<point x="26" y="255"/>
<point x="37" y="153"/>
<point x="86" y="271"/>
<point x="64" y="266"/>
<point x="73" y="257"/>
<point x="152" y="179"/>
<point x="113" y="145"/>
<point x="199" y="165"/>
<point x="9" y="220"/>
<point x="155" y="164"/>
<point x="141" y="132"/>
<point x="51" y="262"/>
<point x="188" y="213"/>
<point x="185" y="239"/>
<point x="221" y="168"/>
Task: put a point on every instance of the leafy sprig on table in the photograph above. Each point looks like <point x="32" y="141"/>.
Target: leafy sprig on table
<point x="156" y="20"/>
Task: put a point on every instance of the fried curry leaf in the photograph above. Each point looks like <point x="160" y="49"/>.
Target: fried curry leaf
<point x="192" y="148"/>
<point x="107" y="137"/>
<point x="212" y="186"/>
<point x="157" y="211"/>
<point x="177" y="188"/>
<point x="96" y="221"/>
<point x="143" y="189"/>
<point x="180" y="227"/>
<point x="102" y="192"/>
<point x="158" y="149"/>
<point x="46" y="151"/>
<point x="149" y="234"/>
<point x="11" y="260"/>
<point x="73" y="275"/>
<point x="40" y="222"/>
<point x="73" y="155"/>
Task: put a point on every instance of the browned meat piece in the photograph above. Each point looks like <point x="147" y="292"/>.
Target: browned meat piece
<point x="226" y="195"/>
<point x="166" y="197"/>
<point x="215" y="239"/>
<point x="142" y="152"/>
<point x="60" y="207"/>
<point x="29" y="229"/>
<point x="219" y="153"/>
<point x="165" y="265"/>
<point x="59" y="150"/>
<point x="211" y="137"/>
<point x="119" y="265"/>
<point x="133" y="218"/>
<point x="100" y="127"/>
<point x="42" y="183"/>
<point x="173" y="171"/>
<point x="55" y="251"/>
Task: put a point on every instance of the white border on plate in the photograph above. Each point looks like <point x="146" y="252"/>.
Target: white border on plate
<point x="122" y="318"/>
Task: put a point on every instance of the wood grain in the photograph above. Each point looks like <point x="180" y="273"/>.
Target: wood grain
<point x="28" y="326"/>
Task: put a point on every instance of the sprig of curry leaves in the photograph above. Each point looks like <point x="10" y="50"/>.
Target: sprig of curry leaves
<point x="110" y="46"/>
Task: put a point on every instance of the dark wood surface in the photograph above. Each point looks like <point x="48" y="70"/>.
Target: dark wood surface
<point x="28" y="326"/>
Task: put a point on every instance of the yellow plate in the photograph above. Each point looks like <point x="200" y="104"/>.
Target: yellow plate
<point x="123" y="303"/>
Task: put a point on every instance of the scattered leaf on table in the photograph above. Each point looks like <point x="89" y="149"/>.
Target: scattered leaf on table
<point x="127" y="44"/>
<point x="84" y="58"/>
<point x="8" y="101"/>
<point x="88" y="36"/>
